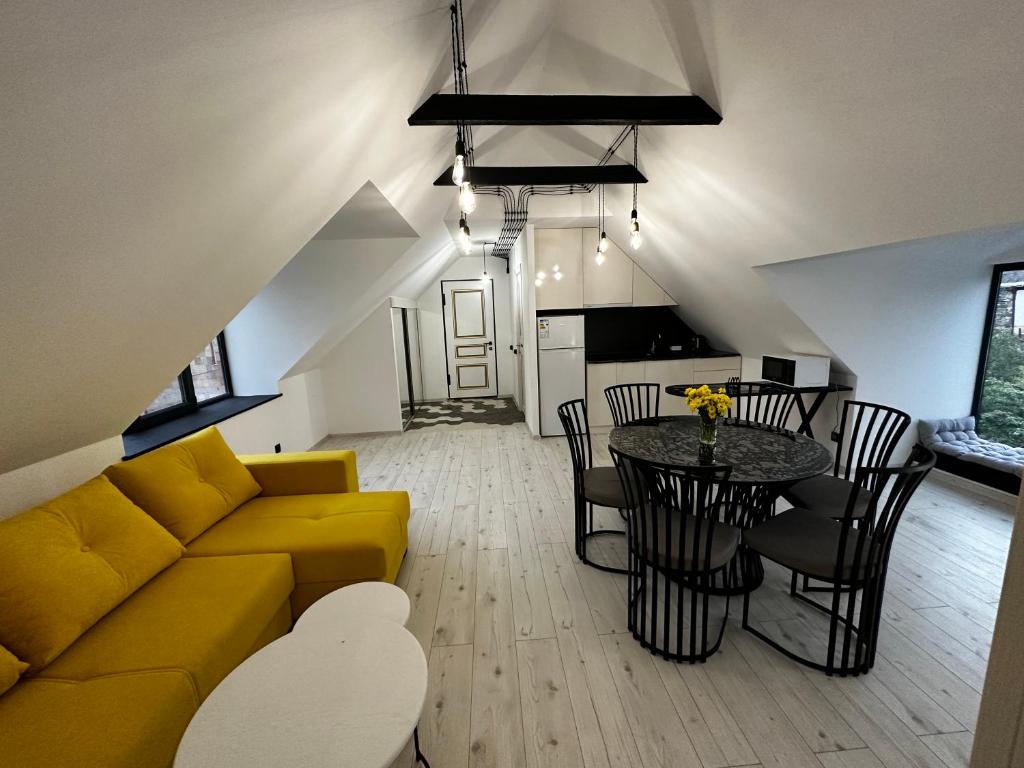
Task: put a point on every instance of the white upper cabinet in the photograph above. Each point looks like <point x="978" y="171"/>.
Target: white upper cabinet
<point x="610" y="282"/>
<point x="583" y="283"/>
<point x="646" y="292"/>
<point x="560" y="248"/>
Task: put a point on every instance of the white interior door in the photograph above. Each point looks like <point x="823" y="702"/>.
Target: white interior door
<point x="469" y="338"/>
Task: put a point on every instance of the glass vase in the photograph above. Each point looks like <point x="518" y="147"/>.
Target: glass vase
<point x="708" y="438"/>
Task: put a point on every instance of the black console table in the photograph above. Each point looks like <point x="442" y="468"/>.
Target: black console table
<point x="807" y="410"/>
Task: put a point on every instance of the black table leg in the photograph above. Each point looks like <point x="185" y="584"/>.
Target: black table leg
<point x="807" y="414"/>
<point x="420" y="759"/>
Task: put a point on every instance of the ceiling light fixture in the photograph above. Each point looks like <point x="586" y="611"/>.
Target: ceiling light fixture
<point x="467" y="200"/>
<point x="635" y="238"/>
<point x="602" y="243"/>
<point x="459" y="166"/>
<point x="464" y="242"/>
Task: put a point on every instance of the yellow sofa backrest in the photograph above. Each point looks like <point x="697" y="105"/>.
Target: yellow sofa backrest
<point x="186" y="486"/>
<point x="69" y="562"/>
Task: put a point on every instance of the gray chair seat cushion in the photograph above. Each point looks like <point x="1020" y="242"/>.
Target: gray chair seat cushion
<point x="827" y="495"/>
<point x="601" y="486"/>
<point x="725" y="540"/>
<point x="958" y="438"/>
<point x="807" y="542"/>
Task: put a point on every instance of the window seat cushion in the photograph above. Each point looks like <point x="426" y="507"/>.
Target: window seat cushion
<point x="958" y="438"/>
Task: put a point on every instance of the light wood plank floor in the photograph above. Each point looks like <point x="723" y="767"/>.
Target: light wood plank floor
<point x="530" y="662"/>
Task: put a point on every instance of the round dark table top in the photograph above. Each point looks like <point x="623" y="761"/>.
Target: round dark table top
<point x="757" y="455"/>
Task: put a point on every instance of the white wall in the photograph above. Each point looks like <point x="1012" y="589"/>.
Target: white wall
<point x="435" y="383"/>
<point x="524" y="253"/>
<point x="296" y="420"/>
<point x="35" y="483"/>
<point x="360" y="379"/>
<point x="305" y="299"/>
<point x="906" y="318"/>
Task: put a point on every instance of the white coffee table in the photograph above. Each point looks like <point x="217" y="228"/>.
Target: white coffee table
<point x="334" y="613"/>
<point x="348" y="699"/>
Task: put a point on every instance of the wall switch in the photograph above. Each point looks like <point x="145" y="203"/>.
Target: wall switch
<point x="277" y="448"/>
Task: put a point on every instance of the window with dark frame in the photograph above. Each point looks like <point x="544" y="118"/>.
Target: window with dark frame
<point x="205" y="380"/>
<point x="999" y="391"/>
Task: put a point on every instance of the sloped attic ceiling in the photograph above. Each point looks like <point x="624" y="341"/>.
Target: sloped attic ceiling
<point x="163" y="162"/>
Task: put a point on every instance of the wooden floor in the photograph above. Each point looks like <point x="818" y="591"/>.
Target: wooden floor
<point x="531" y="663"/>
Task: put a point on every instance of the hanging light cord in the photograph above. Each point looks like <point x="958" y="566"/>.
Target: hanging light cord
<point x="635" y="164"/>
<point x="460" y="71"/>
<point x="516" y="204"/>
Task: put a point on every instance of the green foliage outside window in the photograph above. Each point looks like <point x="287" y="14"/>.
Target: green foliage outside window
<point x="1001" y="410"/>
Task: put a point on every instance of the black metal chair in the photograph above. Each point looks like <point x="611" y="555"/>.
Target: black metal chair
<point x="592" y="485"/>
<point x="630" y="403"/>
<point x="761" y="403"/>
<point x="868" y="434"/>
<point x="850" y="554"/>
<point x="677" y="545"/>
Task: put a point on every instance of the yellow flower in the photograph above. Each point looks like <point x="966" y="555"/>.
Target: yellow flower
<point x="714" y="404"/>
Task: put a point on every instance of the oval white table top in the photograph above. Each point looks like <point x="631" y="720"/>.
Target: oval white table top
<point x="349" y="700"/>
<point x="334" y="613"/>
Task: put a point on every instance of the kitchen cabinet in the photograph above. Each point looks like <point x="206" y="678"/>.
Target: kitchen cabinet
<point x="610" y="282"/>
<point x="562" y="248"/>
<point x="716" y="370"/>
<point x="689" y="372"/>
<point x="630" y="373"/>
<point x="646" y="292"/>
<point x="666" y="372"/>
<point x="619" y="281"/>
<point x="599" y="377"/>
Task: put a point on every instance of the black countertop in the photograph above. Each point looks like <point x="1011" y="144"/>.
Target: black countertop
<point x="635" y="358"/>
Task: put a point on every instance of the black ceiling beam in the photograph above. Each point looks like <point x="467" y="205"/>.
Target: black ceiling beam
<point x="499" y="109"/>
<point x="545" y="175"/>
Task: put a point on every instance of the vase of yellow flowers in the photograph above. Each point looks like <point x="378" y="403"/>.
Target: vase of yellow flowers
<point x="709" y="406"/>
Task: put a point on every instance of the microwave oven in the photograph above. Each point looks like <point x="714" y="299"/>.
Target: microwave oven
<point x="796" y="370"/>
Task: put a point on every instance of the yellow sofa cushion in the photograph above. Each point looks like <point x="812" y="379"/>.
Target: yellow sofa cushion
<point x="11" y="668"/>
<point x="291" y="474"/>
<point x="68" y="562"/>
<point x="201" y="615"/>
<point x="133" y="720"/>
<point x="333" y="539"/>
<point x="186" y="486"/>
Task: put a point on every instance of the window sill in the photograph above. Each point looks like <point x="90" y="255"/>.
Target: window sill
<point x="146" y="440"/>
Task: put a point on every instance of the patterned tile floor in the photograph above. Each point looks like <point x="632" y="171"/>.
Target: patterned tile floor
<point x="456" y="413"/>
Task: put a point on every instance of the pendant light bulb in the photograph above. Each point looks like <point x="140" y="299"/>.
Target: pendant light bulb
<point x="602" y="245"/>
<point x="635" y="238"/>
<point x="599" y="257"/>
<point x="459" y="167"/>
<point x="464" y="242"/>
<point x="538" y="282"/>
<point x="467" y="199"/>
<point x="558" y="275"/>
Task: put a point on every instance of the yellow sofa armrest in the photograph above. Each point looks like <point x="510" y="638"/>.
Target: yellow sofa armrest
<point x="295" y="474"/>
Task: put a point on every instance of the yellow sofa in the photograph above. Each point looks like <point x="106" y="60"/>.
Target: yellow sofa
<point x="119" y="627"/>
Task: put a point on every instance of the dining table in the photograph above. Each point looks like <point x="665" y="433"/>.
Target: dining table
<point x="764" y="461"/>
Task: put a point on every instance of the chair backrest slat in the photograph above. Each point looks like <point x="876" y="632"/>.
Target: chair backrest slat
<point x="756" y="402"/>
<point x="868" y="435"/>
<point x="663" y="498"/>
<point x="573" y="416"/>
<point x="630" y="403"/>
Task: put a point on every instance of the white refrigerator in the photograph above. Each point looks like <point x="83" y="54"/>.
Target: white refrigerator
<point x="562" y="367"/>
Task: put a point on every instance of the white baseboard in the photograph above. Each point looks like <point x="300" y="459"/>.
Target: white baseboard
<point x="948" y="478"/>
